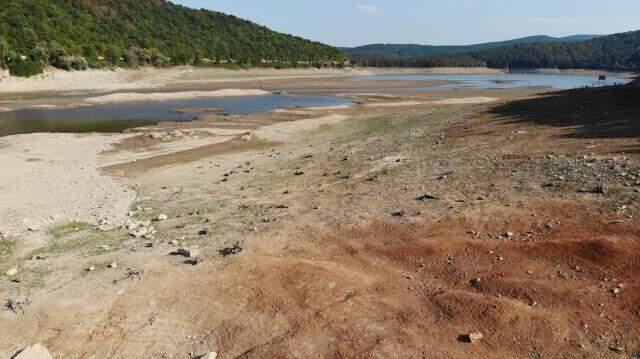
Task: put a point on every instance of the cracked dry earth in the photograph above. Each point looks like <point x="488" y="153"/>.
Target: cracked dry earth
<point x="381" y="236"/>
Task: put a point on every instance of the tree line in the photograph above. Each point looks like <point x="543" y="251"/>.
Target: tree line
<point x="77" y="34"/>
<point x="615" y="52"/>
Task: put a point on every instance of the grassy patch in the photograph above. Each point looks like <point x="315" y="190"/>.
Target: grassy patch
<point x="6" y="248"/>
<point x="64" y="230"/>
<point x="81" y="242"/>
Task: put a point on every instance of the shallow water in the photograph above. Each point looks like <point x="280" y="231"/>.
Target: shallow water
<point x="118" y="117"/>
<point x="501" y="81"/>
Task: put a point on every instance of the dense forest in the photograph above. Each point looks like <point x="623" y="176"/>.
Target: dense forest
<point x="384" y="51"/>
<point x="613" y="52"/>
<point x="76" y="34"/>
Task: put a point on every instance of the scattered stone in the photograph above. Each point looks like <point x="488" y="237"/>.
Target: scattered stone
<point x="299" y="173"/>
<point x="616" y="349"/>
<point x="105" y="247"/>
<point x="134" y="273"/>
<point x="11" y="272"/>
<point x="91" y="269"/>
<point x="16" y="305"/>
<point x="162" y="217"/>
<point x="475" y="282"/>
<point x="472" y="337"/>
<point x="174" y="242"/>
<point x="203" y="232"/>
<point x="33" y="228"/>
<point x="211" y="355"/>
<point x="400" y="213"/>
<point x="188" y="252"/>
<point x="596" y="190"/>
<point x="113" y="265"/>
<point x="36" y="351"/>
<point x="139" y="233"/>
<point x="427" y="196"/>
<point x="230" y="251"/>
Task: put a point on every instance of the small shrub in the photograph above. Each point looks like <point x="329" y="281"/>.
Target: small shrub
<point x="24" y="68"/>
<point x="79" y="63"/>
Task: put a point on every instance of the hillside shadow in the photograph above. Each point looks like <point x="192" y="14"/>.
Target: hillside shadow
<point x="591" y="113"/>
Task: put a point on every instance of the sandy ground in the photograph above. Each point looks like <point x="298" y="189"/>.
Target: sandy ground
<point x="56" y="81"/>
<point x="54" y="178"/>
<point x="374" y="232"/>
<point x="124" y="97"/>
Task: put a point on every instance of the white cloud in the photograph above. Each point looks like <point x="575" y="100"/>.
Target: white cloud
<point x="367" y="9"/>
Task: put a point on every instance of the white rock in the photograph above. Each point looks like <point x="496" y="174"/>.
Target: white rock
<point x="36" y="351"/>
<point x="139" y="233"/>
<point x="212" y="355"/>
<point x="91" y="269"/>
<point x="11" y="272"/>
<point x="162" y="217"/>
<point x="113" y="265"/>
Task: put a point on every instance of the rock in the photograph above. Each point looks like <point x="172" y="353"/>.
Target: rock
<point x="162" y="217"/>
<point x="203" y="232"/>
<point x="427" y="196"/>
<point x="91" y="269"/>
<point x="33" y="228"/>
<point x="113" y="265"/>
<point x="11" y="272"/>
<point x="246" y="138"/>
<point x="36" y="351"/>
<point x="174" y="242"/>
<point x="472" y="337"/>
<point x="212" y="355"/>
<point x="230" y="250"/>
<point x="188" y="252"/>
<point x="400" y="213"/>
<point x="616" y="349"/>
<point x="298" y="173"/>
<point x="475" y="282"/>
<point x="139" y="233"/>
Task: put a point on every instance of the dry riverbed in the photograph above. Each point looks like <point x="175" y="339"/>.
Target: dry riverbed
<point x="420" y="224"/>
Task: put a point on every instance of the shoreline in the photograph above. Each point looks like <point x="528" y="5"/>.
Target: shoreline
<point x="55" y="81"/>
<point x="98" y="81"/>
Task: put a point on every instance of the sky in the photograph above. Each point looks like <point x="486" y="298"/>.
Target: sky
<point x="431" y="22"/>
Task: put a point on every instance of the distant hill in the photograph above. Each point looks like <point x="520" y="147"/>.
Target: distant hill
<point x="413" y="50"/>
<point x="618" y="52"/>
<point x="81" y="33"/>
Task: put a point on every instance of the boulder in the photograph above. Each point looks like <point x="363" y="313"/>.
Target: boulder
<point x="188" y="252"/>
<point x="11" y="272"/>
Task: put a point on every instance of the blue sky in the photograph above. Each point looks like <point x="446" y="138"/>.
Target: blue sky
<point x="434" y="22"/>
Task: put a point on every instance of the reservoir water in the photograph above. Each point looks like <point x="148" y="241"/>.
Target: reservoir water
<point x="501" y="81"/>
<point x="118" y="117"/>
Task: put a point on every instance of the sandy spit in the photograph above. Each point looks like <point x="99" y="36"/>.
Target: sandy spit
<point x="395" y="104"/>
<point x="465" y="101"/>
<point x="290" y="131"/>
<point x="167" y="96"/>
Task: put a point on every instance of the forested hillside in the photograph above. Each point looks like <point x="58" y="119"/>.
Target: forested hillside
<point x="81" y="33"/>
<point x="613" y="52"/>
<point x="386" y="51"/>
